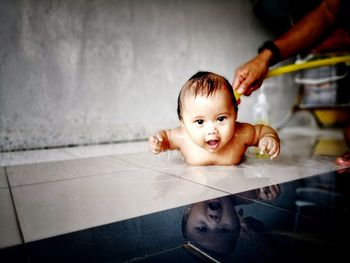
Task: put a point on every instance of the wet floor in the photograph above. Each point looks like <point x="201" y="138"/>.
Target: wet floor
<point x="109" y="204"/>
<point x="299" y="221"/>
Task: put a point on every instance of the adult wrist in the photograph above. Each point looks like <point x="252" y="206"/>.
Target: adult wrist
<point x="276" y="54"/>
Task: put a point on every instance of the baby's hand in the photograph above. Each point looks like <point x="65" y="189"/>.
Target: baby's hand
<point x="271" y="145"/>
<point x="269" y="192"/>
<point x="157" y="143"/>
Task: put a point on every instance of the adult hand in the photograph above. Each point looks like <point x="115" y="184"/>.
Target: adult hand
<point x="250" y="76"/>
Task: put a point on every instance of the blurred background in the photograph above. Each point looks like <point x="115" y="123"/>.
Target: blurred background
<point x="101" y="71"/>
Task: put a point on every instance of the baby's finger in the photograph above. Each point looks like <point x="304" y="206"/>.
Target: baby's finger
<point x="271" y="147"/>
<point x="263" y="148"/>
<point x="271" y="194"/>
<point x="155" y="149"/>
<point x="275" y="154"/>
<point x="153" y="139"/>
<point x="274" y="151"/>
<point x="159" y="137"/>
<point x="275" y="190"/>
<point x="263" y="193"/>
<point x="264" y="196"/>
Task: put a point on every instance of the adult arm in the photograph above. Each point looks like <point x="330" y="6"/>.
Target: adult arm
<point x="304" y="35"/>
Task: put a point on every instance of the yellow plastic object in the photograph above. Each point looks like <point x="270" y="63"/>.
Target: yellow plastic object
<point x="310" y="64"/>
<point x="305" y="65"/>
<point x="330" y="117"/>
<point x="237" y="95"/>
<point x="327" y="146"/>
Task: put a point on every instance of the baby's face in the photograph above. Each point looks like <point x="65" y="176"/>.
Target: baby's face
<point x="209" y="120"/>
<point x="214" y="224"/>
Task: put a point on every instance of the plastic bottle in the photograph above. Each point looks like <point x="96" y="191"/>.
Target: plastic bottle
<point x="261" y="109"/>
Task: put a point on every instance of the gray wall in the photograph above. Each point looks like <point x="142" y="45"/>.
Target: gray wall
<point x="90" y="71"/>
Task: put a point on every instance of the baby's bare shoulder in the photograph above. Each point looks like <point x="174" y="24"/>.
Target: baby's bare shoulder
<point x="244" y="128"/>
<point x="178" y="134"/>
<point x="175" y="138"/>
<point x="244" y="133"/>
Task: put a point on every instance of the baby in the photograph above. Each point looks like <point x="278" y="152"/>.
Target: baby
<point x="208" y="132"/>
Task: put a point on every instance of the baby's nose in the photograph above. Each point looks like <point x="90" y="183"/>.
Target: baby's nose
<point x="211" y="128"/>
<point x="215" y="217"/>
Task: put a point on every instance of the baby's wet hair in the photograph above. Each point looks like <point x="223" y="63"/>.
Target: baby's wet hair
<point x="204" y="83"/>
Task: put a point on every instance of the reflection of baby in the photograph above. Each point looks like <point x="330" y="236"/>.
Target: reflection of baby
<point x="208" y="132"/>
<point x="214" y="225"/>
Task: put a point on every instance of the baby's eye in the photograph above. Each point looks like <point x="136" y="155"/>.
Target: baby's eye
<point x="200" y="122"/>
<point x="221" y="118"/>
<point x="224" y="230"/>
<point x="202" y="229"/>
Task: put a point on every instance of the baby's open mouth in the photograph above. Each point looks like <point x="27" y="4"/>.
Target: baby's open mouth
<point x="213" y="144"/>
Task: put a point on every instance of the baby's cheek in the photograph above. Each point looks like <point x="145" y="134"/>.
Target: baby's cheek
<point x="193" y="138"/>
<point x="227" y="132"/>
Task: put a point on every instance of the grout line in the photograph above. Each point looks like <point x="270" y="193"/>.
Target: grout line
<point x="207" y="186"/>
<point x="264" y="203"/>
<point x="77" y="178"/>
<point x="283" y="209"/>
<point x="17" y="218"/>
<point x="143" y="257"/>
<point x="201" y="252"/>
<point x="179" y="177"/>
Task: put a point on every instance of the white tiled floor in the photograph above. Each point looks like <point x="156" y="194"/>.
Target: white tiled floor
<point x="60" y="207"/>
<point x="21" y="175"/>
<point x="63" y="190"/>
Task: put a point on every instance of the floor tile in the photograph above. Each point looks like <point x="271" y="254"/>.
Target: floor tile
<point x="268" y="232"/>
<point x="9" y="233"/>
<point x="254" y="172"/>
<point x="320" y="197"/>
<point x="54" y="208"/>
<point x="3" y="181"/>
<point x="35" y="156"/>
<point x="170" y="159"/>
<point x="61" y="170"/>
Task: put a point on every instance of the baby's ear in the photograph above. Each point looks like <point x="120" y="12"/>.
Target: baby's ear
<point x="187" y="212"/>
<point x="235" y="115"/>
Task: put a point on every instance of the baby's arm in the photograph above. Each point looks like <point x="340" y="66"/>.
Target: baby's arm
<point x="268" y="140"/>
<point x="164" y="140"/>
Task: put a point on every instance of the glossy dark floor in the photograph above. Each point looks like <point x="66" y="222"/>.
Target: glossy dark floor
<point x="300" y="221"/>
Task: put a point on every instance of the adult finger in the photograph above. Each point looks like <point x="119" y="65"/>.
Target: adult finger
<point x="240" y="76"/>
<point x="246" y="85"/>
<point x="256" y="85"/>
